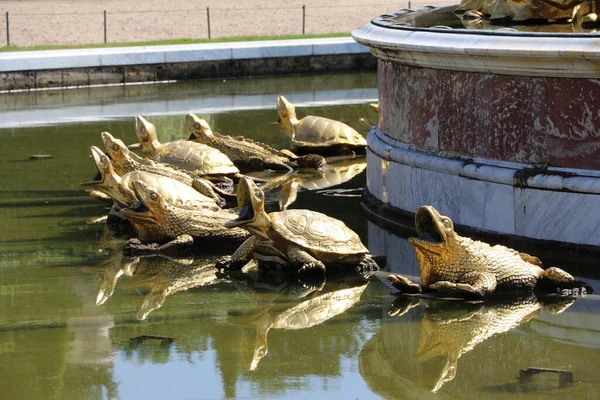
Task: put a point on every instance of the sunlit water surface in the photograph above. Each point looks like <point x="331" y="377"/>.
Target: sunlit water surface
<point x="80" y="321"/>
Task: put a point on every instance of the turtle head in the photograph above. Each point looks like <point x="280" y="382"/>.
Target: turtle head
<point x="199" y="128"/>
<point x="251" y="201"/>
<point x="146" y="133"/>
<point x="435" y="231"/>
<point x="106" y="173"/>
<point x="115" y="148"/>
<point x="287" y="116"/>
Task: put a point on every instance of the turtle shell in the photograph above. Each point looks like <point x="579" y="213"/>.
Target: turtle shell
<point x="196" y="157"/>
<point x="173" y="191"/>
<point x="312" y="131"/>
<point x="316" y="231"/>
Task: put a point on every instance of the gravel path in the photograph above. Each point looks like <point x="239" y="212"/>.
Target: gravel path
<point x="66" y="22"/>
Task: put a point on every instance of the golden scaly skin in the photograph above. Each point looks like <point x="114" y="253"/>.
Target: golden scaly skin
<point x="317" y="134"/>
<point x="161" y="221"/>
<point x="120" y="190"/>
<point x="303" y="238"/>
<point x="247" y="154"/>
<point x="452" y="334"/>
<point x="457" y="264"/>
<point x="124" y="161"/>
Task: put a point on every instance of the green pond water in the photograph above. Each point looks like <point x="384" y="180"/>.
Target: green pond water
<point x="78" y="320"/>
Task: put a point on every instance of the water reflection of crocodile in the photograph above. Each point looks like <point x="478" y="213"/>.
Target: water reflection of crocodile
<point x="448" y="330"/>
<point x="164" y="275"/>
<point x="471" y="268"/>
<point x="289" y="304"/>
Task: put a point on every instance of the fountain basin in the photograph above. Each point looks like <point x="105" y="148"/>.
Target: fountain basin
<point x="497" y="128"/>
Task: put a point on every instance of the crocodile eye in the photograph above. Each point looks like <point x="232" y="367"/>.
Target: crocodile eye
<point x="197" y="126"/>
<point x="104" y="160"/>
<point x="115" y="147"/>
<point x="447" y="223"/>
<point x="153" y="196"/>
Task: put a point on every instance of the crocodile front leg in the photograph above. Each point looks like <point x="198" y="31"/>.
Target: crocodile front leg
<point x="304" y="261"/>
<point x="404" y="285"/>
<point x="478" y="284"/>
<point x="240" y="257"/>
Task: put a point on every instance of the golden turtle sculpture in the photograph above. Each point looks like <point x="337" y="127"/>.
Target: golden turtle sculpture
<point x="317" y="134"/>
<point x="124" y="161"/>
<point x="199" y="158"/>
<point x="303" y="238"/>
<point x="120" y="188"/>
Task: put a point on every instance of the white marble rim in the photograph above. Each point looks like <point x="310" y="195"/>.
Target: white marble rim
<point x="507" y="173"/>
<point x="143" y="55"/>
<point x="510" y="54"/>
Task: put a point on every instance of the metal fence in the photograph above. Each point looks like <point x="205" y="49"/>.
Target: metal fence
<point x="79" y="28"/>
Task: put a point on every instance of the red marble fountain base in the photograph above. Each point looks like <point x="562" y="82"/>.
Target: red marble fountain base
<point x="524" y="119"/>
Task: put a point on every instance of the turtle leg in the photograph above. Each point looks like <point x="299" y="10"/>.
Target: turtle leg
<point x="304" y="261"/>
<point x="205" y="187"/>
<point x="404" y="285"/>
<point x="565" y="282"/>
<point x="478" y="284"/>
<point x="240" y="257"/>
<point x="367" y="264"/>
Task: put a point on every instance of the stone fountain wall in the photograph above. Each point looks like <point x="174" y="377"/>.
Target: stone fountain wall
<point x="498" y="130"/>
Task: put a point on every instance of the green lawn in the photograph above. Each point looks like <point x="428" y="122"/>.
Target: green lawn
<point x="173" y="41"/>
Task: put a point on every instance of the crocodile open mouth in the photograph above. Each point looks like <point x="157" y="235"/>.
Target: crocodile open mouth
<point x="427" y="228"/>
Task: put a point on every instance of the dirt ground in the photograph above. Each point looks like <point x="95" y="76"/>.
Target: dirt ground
<point x="65" y="22"/>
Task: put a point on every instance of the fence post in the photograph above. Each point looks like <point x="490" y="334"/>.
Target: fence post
<point x="104" y="26"/>
<point x="208" y="20"/>
<point x="409" y="5"/>
<point x="303" y="19"/>
<point x="7" y="31"/>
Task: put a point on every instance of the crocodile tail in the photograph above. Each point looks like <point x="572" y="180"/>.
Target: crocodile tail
<point x="312" y="161"/>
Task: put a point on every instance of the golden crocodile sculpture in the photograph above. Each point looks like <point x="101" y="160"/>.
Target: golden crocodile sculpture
<point x="154" y="219"/>
<point x="317" y="134"/>
<point x="453" y="263"/>
<point x="305" y="239"/>
<point x="247" y="154"/>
